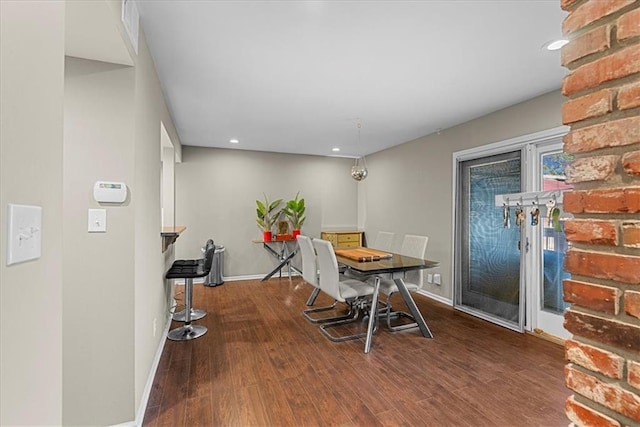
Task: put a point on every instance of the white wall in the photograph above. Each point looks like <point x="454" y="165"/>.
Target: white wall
<point x="31" y="129"/>
<point x="115" y="291"/>
<point x="152" y="293"/>
<point x="409" y="188"/>
<point x="168" y="186"/>
<point x="98" y="267"/>
<point x="216" y="190"/>
<point x="76" y="333"/>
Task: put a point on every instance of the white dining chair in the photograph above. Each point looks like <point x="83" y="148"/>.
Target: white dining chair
<point x="416" y="247"/>
<point x="350" y="291"/>
<point x="383" y="241"/>
<point x="310" y="275"/>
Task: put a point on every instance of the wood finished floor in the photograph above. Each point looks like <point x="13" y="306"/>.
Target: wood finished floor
<point x="262" y="364"/>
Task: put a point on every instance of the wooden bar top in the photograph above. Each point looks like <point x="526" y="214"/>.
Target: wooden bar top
<point x="170" y="234"/>
<point x="172" y="230"/>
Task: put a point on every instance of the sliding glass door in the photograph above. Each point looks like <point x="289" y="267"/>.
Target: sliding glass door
<point x="508" y="268"/>
<point x="488" y="268"/>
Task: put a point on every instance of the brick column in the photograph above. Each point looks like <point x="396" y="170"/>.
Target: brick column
<point x="603" y="110"/>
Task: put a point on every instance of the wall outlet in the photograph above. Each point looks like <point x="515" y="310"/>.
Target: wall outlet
<point x="429" y="277"/>
<point x="437" y="279"/>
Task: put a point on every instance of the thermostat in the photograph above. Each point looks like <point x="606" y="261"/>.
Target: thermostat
<point x="110" y="192"/>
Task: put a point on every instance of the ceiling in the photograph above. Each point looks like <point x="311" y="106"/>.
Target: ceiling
<point x="298" y="77"/>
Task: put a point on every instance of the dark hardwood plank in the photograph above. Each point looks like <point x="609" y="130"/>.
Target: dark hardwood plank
<point x="262" y="364"/>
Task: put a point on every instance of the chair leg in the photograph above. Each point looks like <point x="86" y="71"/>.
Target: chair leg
<point x="356" y="309"/>
<point x="313" y="296"/>
<point x="188" y="331"/>
<point x="306" y="314"/>
<point x="397" y="315"/>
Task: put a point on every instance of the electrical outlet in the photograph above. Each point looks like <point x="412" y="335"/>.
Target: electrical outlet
<point x="437" y="279"/>
<point x="155" y="326"/>
<point x="429" y="277"/>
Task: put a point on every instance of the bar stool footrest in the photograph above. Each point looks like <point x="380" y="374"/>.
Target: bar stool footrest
<point x="196" y="314"/>
<point x="187" y="332"/>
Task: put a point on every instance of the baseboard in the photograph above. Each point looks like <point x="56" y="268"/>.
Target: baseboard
<point x="244" y="277"/>
<point x="152" y="374"/>
<point x="436" y="297"/>
<point x="233" y="278"/>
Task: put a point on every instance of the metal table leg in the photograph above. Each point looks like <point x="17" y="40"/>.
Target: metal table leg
<point x="373" y="315"/>
<point x="406" y="296"/>
<point x="280" y="266"/>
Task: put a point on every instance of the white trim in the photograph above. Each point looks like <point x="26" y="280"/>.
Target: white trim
<point x="244" y="277"/>
<point x="436" y="297"/>
<point x="256" y="277"/>
<point x="127" y="424"/>
<point x="144" y="401"/>
<point x="500" y="146"/>
<point x="232" y="278"/>
<point x="491" y="319"/>
<point x="152" y="374"/>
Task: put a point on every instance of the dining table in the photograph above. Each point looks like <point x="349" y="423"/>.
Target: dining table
<point x="384" y="264"/>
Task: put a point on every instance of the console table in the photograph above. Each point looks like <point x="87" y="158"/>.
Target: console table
<point x="283" y="250"/>
<point x="343" y="239"/>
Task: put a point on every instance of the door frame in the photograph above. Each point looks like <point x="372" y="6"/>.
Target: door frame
<point x="525" y="143"/>
<point x="535" y="309"/>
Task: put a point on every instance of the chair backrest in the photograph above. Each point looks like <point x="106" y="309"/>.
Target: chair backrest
<point x="414" y="246"/>
<point x="329" y="280"/>
<point x="208" y="257"/>
<point x="309" y="263"/>
<point x="383" y="241"/>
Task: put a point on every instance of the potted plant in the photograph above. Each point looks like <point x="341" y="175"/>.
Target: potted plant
<point x="294" y="210"/>
<point x="267" y="215"/>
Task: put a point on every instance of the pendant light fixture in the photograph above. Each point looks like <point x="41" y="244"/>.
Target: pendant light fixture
<point x="359" y="169"/>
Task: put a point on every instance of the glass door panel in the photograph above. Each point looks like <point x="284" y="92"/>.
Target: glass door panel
<point x="550" y="303"/>
<point x="488" y="267"/>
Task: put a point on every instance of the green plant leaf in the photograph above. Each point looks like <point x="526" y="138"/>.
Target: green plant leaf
<point x="555" y="219"/>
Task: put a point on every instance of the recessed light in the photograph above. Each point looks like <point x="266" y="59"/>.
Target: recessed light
<point x="335" y="149"/>
<point x="234" y="141"/>
<point x="556" y="44"/>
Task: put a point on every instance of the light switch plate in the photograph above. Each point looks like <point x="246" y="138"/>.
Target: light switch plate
<point x="97" y="221"/>
<point x="24" y="241"/>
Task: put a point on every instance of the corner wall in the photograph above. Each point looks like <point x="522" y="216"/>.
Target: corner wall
<point x="115" y="296"/>
<point x="98" y="267"/>
<point x="31" y="129"/>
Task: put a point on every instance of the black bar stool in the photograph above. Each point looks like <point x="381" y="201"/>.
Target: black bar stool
<point x="196" y="314"/>
<point x="189" y="270"/>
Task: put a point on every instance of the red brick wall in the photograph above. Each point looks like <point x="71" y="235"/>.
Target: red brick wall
<point x="603" y="109"/>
